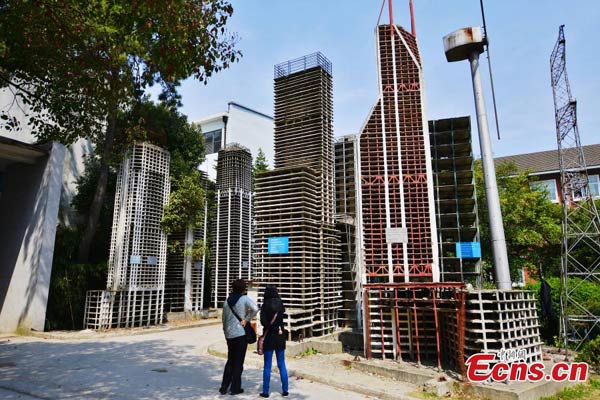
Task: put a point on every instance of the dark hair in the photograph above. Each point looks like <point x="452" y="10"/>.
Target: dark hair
<point x="239" y="286"/>
<point x="270" y="293"/>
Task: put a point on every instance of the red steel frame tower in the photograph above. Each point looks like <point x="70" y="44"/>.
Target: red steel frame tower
<point x="397" y="211"/>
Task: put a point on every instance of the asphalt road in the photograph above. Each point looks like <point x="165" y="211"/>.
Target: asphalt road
<point x="161" y="365"/>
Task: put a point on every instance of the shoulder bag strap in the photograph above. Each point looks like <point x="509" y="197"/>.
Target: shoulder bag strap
<point x="270" y="325"/>
<point x="233" y="311"/>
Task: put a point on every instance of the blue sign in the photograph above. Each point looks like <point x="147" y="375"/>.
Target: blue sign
<point x="468" y="249"/>
<point x="278" y="245"/>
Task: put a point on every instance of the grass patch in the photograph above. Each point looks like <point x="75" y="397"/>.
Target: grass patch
<point x="585" y="391"/>
<point x="308" y="352"/>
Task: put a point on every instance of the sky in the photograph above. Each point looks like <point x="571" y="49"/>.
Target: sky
<point x="522" y="35"/>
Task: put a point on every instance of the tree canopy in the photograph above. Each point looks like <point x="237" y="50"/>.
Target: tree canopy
<point x="77" y="64"/>
<point x="74" y="62"/>
<point x="532" y="223"/>
<point x="261" y="164"/>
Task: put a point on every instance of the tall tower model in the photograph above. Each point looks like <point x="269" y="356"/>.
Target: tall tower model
<point x="396" y="199"/>
<point x="297" y="246"/>
<point x="232" y="241"/>
<point x="138" y="249"/>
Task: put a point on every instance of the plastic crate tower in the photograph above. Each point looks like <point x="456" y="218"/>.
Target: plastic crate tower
<point x="138" y="249"/>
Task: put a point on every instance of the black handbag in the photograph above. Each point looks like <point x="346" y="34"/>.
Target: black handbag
<point x="250" y="332"/>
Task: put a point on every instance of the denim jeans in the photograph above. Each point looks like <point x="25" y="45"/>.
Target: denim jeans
<point x="280" y="354"/>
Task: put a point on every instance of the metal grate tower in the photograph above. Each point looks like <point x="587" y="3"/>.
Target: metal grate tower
<point x="232" y="241"/>
<point x="581" y="223"/>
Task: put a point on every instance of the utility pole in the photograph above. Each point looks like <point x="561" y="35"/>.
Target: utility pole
<point x="468" y="44"/>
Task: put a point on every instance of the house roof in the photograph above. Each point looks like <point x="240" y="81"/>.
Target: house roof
<point x="547" y="161"/>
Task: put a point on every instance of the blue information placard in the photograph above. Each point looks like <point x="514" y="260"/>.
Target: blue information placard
<point x="278" y="245"/>
<point x="468" y="249"/>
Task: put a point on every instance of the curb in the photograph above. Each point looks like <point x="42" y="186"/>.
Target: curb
<point x="48" y="335"/>
<point x="321" y="379"/>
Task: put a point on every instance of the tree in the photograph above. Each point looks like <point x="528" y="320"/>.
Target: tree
<point x="261" y="164"/>
<point x="532" y="223"/>
<point x="77" y="64"/>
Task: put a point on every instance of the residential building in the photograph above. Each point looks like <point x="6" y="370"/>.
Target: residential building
<point x="544" y="168"/>
<point x="239" y="124"/>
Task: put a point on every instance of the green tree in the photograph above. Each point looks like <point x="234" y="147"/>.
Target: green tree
<point x="261" y="164"/>
<point x="532" y="223"/>
<point x="77" y="63"/>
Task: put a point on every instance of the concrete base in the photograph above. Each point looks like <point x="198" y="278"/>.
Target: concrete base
<point x="441" y="384"/>
<point x="192" y="315"/>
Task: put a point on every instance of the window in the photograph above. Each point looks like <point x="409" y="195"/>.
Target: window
<point x="595" y="185"/>
<point x="548" y="186"/>
<point x="213" y="141"/>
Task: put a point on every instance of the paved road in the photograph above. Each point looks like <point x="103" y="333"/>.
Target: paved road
<point x="161" y="365"/>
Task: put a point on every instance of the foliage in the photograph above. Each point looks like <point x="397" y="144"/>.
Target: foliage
<point x="311" y="351"/>
<point x="590" y="353"/>
<point x="77" y="64"/>
<point x="261" y="164"/>
<point x="166" y="127"/>
<point x="186" y="205"/>
<point x="584" y="391"/>
<point x="70" y="282"/>
<point x="532" y="223"/>
<point x="585" y="292"/>
<point x="97" y="56"/>
<point x="82" y="200"/>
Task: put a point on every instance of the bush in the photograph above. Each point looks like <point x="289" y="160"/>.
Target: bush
<point x="586" y="293"/>
<point x="70" y="282"/>
<point x="591" y="353"/>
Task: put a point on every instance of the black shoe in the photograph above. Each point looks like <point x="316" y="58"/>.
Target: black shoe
<point x="264" y="394"/>
<point x="238" y="392"/>
<point x="285" y="394"/>
<point x="222" y="391"/>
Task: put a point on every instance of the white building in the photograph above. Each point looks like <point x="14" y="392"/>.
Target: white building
<point x="239" y="124"/>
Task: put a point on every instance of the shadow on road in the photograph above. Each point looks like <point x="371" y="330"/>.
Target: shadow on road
<point x="150" y="369"/>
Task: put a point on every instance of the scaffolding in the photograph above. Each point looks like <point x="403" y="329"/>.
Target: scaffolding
<point x="297" y="245"/>
<point x="138" y="250"/>
<point x="232" y="244"/>
<point x="455" y="199"/>
<point x="581" y="222"/>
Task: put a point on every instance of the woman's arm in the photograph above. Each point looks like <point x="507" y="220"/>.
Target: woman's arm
<point x="251" y="309"/>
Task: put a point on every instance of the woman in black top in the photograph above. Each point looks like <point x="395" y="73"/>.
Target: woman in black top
<point x="275" y="337"/>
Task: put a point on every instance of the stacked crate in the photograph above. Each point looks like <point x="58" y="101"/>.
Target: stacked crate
<point x="502" y="320"/>
<point x="231" y="251"/>
<point x="295" y="201"/>
<point x="455" y="198"/>
<point x="138" y="252"/>
<point x="345" y="208"/>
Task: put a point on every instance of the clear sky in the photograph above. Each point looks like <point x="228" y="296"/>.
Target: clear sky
<point x="522" y="35"/>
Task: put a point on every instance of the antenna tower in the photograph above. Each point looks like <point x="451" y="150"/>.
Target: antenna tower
<point x="581" y="223"/>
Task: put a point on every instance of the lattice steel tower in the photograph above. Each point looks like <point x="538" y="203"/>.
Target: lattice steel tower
<point x="581" y="224"/>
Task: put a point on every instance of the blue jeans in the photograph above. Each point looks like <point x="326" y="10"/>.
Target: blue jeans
<point x="280" y="354"/>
